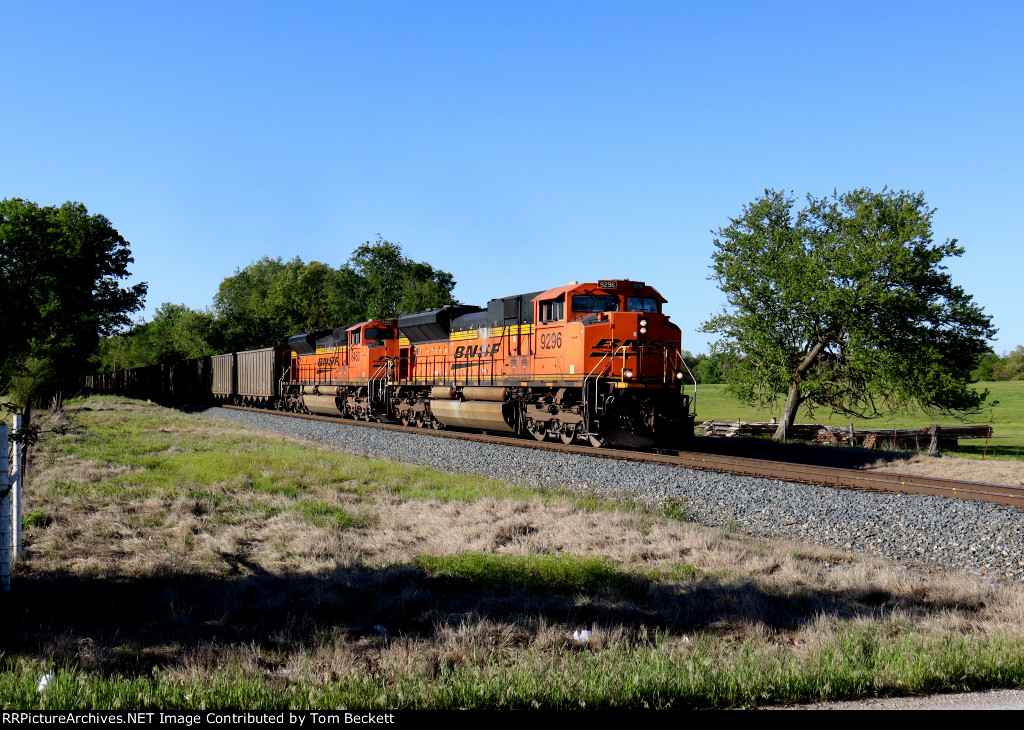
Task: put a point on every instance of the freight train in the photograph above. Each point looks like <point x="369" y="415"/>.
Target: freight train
<point x="595" y="363"/>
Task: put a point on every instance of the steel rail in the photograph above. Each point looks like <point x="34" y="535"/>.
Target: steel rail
<point x="784" y="471"/>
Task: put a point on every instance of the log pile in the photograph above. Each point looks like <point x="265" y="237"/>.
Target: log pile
<point x="798" y="431"/>
<point x="899" y="439"/>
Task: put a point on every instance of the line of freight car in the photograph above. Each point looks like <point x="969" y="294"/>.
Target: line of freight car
<point x="248" y="378"/>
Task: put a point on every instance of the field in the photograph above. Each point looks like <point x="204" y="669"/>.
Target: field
<point x="175" y="561"/>
<point x="1004" y="412"/>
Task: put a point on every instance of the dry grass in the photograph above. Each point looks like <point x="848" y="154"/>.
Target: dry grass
<point x="952" y="467"/>
<point x="134" y="574"/>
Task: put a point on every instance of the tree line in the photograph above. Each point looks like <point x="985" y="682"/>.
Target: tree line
<point x="270" y="300"/>
<point x="713" y="369"/>
<point x="993" y="367"/>
<point x="843" y="304"/>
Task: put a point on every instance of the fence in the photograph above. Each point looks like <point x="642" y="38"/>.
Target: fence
<point x="909" y="439"/>
<point x="10" y="503"/>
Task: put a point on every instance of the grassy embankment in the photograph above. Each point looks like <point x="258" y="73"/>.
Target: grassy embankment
<point x="1005" y="413"/>
<point x="175" y="561"/>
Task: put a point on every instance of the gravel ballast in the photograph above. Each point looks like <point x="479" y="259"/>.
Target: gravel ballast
<point x="938" y="531"/>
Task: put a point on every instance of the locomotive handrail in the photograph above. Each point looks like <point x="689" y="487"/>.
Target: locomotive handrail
<point x="683" y="361"/>
<point x="377" y="377"/>
<point x="280" y="381"/>
<point x="597" y="381"/>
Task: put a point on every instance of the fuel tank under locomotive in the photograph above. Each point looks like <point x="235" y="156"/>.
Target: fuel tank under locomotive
<point x="617" y="418"/>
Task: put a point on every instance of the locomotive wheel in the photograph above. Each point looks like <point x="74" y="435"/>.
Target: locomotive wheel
<point x="537" y="430"/>
<point x="596" y="441"/>
<point x="567" y="436"/>
<point x="406" y="420"/>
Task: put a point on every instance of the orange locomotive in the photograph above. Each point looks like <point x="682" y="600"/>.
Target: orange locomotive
<point x="593" y="363"/>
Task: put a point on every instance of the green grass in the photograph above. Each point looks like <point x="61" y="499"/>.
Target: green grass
<point x="162" y="454"/>
<point x="323" y="514"/>
<point x="657" y="673"/>
<point x="1004" y="412"/>
<point x="206" y="602"/>
<point x="542" y="573"/>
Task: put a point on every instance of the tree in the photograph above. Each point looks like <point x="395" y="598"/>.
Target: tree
<point x="60" y="272"/>
<point x="1010" y="366"/>
<point x="845" y="304"/>
<point x="394" y="284"/>
<point x="985" y="367"/>
<point x="269" y="300"/>
<point x="176" y="332"/>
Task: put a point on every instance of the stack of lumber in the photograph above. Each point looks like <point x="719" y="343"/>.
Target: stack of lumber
<point x="968" y="432"/>
<point x="908" y="439"/>
<point x="799" y="431"/>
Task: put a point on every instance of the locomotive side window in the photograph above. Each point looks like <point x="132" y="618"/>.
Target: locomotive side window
<point x="355" y="338"/>
<point x="553" y="309"/>
<point x="595" y="303"/>
<point x="642" y="304"/>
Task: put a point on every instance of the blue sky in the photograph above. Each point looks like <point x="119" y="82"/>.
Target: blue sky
<point x="518" y="145"/>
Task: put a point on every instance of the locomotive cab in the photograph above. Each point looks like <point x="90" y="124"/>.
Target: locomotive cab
<point x="373" y="349"/>
<point x="612" y="342"/>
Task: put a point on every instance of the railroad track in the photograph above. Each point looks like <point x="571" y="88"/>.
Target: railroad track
<point x="784" y="471"/>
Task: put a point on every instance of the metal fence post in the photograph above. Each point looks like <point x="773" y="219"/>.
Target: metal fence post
<point x="16" y="483"/>
<point x="5" y="513"/>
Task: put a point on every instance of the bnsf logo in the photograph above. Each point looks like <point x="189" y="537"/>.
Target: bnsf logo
<point x="606" y="346"/>
<point x="327" y="362"/>
<point x="465" y="352"/>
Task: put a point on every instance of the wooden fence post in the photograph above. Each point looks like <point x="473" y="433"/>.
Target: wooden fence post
<point x="933" y="447"/>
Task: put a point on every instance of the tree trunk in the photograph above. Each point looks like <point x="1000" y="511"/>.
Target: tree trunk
<point x="793" y="401"/>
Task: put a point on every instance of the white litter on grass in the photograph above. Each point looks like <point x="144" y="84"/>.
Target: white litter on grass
<point x="582" y="636"/>
<point x="44" y="682"/>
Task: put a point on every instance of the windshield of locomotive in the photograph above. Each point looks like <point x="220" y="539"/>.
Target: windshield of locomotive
<point x="376" y="333"/>
<point x="594" y="303"/>
<point x="642" y="304"/>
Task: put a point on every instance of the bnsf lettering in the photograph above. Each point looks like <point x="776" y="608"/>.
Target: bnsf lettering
<point x="327" y="362"/>
<point x="467" y="352"/>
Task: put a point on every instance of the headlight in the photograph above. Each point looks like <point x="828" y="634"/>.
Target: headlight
<point x="643" y="330"/>
<point x="643" y="322"/>
<point x="679" y="375"/>
<point x="627" y="373"/>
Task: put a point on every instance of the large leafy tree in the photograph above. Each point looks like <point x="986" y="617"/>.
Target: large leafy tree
<point x="60" y="272"/>
<point x="393" y="284"/>
<point x="271" y="299"/>
<point x="845" y="304"/>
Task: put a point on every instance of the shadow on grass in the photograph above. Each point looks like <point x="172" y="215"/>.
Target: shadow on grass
<point x="797" y="453"/>
<point x="131" y="626"/>
<point x="979" y="449"/>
